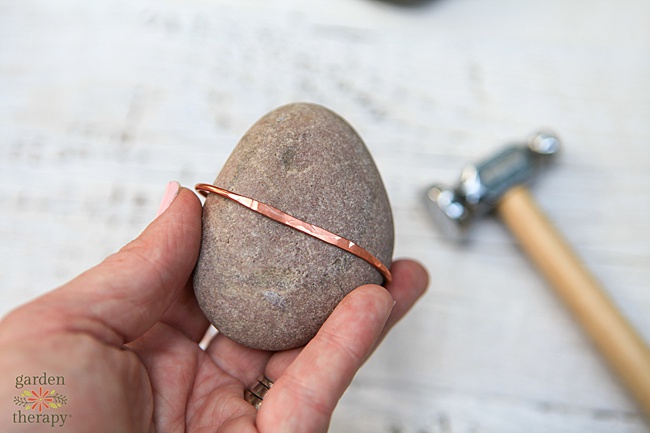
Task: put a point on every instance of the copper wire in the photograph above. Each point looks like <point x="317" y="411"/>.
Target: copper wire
<point x="296" y="224"/>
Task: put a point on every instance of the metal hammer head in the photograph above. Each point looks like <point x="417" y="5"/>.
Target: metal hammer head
<point x="482" y="185"/>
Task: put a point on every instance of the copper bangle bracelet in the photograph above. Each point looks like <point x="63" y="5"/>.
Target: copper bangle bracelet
<point x="296" y="224"/>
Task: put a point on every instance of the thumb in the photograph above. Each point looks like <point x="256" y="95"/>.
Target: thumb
<point x="121" y="298"/>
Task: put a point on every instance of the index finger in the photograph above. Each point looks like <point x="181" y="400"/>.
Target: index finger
<point x="305" y="395"/>
<point x="410" y="281"/>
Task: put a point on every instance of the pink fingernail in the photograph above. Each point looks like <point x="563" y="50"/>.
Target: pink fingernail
<point x="172" y="190"/>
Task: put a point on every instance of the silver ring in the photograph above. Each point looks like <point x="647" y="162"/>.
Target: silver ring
<point x="256" y="394"/>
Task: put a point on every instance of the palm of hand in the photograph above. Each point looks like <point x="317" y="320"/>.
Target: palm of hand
<point x="125" y="335"/>
<point x="196" y="390"/>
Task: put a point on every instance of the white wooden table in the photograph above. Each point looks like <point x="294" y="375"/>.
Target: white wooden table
<point x="103" y="102"/>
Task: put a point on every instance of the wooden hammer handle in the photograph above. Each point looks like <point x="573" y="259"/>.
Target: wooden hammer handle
<point x="614" y="336"/>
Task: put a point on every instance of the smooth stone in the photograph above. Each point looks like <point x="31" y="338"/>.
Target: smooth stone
<point x="268" y="286"/>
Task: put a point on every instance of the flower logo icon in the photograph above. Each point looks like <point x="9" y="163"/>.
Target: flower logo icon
<point x="41" y="399"/>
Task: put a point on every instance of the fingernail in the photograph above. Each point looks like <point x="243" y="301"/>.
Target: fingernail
<point x="172" y="190"/>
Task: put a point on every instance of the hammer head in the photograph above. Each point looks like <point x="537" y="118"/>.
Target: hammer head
<point x="482" y="185"/>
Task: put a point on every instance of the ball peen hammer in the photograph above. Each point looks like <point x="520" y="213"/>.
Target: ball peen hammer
<point x="498" y="184"/>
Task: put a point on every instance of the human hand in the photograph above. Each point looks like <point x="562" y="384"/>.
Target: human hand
<point x="124" y="338"/>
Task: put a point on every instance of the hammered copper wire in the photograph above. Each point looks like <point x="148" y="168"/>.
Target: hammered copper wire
<point x="296" y="224"/>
